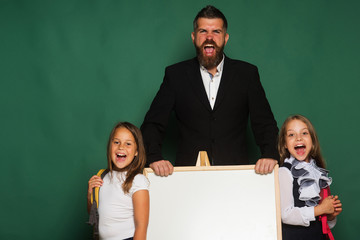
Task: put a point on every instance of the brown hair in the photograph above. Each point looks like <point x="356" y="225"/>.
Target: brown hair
<point x="315" y="152"/>
<point x="210" y="12"/>
<point x="138" y="164"/>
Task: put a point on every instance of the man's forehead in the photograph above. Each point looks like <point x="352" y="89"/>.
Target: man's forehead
<point x="214" y="22"/>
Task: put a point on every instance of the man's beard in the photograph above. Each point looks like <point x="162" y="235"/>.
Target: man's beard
<point x="213" y="61"/>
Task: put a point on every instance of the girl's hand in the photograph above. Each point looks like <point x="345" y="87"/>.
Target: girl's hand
<point x="325" y="207"/>
<point x="95" y="181"/>
<point x="337" y="208"/>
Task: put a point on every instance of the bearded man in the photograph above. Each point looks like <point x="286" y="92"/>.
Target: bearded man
<point x="213" y="97"/>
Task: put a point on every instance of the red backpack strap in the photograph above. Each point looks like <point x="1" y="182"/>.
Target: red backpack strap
<point x="325" y="192"/>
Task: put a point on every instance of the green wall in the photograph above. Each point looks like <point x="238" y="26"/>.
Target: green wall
<point x="70" y="69"/>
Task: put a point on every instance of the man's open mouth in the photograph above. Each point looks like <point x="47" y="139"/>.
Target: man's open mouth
<point x="209" y="48"/>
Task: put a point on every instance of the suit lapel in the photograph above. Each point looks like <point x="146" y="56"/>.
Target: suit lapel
<point x="194" y="75"/>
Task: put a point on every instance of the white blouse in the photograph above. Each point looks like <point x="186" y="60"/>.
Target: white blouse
<point x="289" y="213"/>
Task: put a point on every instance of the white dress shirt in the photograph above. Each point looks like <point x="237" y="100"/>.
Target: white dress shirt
<point x="212" y="83"/>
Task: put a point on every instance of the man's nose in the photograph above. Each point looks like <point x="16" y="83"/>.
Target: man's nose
<point x="209" y="36"/>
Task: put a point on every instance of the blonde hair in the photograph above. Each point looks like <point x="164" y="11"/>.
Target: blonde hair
<point x="138" y="164"/>
<point x="315" y="151"/>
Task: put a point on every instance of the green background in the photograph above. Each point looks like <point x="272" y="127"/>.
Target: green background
<point x="69" y="70"/>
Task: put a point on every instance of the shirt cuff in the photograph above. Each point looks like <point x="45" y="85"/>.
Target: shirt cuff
<point x="308" y="214"/>
<point x="332" y="223"/>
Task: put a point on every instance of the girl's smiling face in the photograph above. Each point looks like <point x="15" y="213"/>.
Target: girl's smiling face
<point x="123" y="148"/>
<point x="298" y="140"/>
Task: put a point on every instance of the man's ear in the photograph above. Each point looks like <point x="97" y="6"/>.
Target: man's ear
<point x="226" y="38"/>
<point x="193" y="36"/>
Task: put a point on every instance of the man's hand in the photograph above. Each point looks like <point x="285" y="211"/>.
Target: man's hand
<point x="162" y="168"/>
<point x="265" y="165"/>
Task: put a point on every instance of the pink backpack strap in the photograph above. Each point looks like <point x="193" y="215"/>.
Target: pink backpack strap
<point x="325" y="192"/>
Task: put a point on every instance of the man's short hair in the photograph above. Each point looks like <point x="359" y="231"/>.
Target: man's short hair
<point x="210" y="12"/>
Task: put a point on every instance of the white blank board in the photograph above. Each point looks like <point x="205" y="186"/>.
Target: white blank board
<point x="213" y="203"/>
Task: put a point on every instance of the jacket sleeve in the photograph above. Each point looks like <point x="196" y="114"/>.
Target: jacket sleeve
<point x="262" y="120"/>
<point x="156" y="120"/>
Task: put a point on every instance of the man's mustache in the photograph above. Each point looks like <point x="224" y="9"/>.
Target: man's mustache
<point x="209" y="41"/>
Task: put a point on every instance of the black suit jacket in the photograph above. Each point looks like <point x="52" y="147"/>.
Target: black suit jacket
<point x="220" y="131"/>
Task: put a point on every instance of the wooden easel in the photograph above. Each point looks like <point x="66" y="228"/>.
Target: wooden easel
<point x="202" y="159"/>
